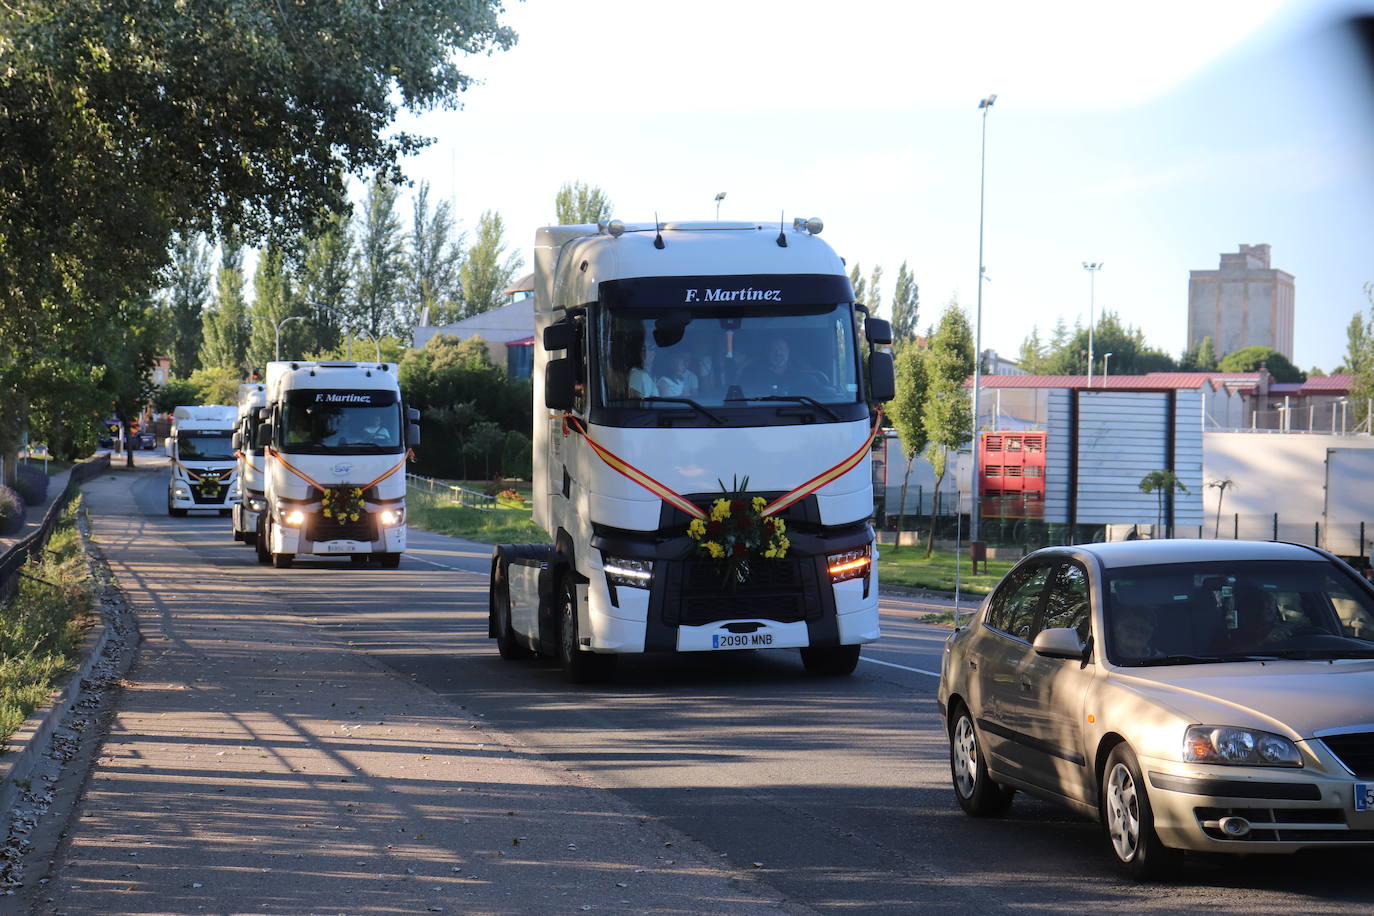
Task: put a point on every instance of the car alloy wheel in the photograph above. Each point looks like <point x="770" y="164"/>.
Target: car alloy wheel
<point x="1129" y="820"/>
<point x="1123" y="813"/>
<point x="978" y="795"/>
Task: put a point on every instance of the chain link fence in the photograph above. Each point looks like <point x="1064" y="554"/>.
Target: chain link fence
<point x="12" y="561"/>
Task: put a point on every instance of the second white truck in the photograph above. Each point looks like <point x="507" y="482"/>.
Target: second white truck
<point x="251" y="503"/>
<point x="201" y="453"/>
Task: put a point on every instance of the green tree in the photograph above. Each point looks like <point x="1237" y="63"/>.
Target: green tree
<point x="1131" y="355"/>
<point x="875" y="292"/>
<point x="907" y="412"/>
<point x="1248" y="359"/>
<point x="485" y="274"/>
<point x="1161" y="483"/>
<point x="578" y="204"/>
<point x="224" y="334"/>
<point x="1202" y="358"/>
<point x="218" y="385"/>
<point x="174" y="394"/>
<point x="435" y="252"/>
<point x="856" y="280"/>
<point x="1032" y="355"/>
<point x="185" y="299"/>
<point x="1359" y="358"/>
<point x="379" y="261"/>
<point x="272" y="304"/>
<point x="948" y="412"/>
<point x="906" y="305"/>
<point x="324" y="278"/>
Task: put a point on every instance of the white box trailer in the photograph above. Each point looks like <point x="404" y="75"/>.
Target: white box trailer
<point x="252" y="499"/>
<point x="1348" y="517"/>
<point x="677" y="361"/>
<point x="335" y="437"/>
<point x="201" y="455"/>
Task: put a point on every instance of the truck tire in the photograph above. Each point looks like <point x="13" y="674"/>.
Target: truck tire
<point x="507" y="642"/>
<point x="173" y="511"/>
<point x="282" y="560"/>
<point x="390" y="560"/>
<point x="358" y="559"/>
<point x="830" y="661"/>
<point x="578" y="667"/>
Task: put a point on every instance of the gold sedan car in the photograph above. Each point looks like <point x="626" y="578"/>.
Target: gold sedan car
<point x="1215" y="696"/>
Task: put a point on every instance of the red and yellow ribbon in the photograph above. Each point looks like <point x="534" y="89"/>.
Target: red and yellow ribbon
<point x="673" y="498"/>
<point x="192" y="473"/>
<point x="409" y="455"/>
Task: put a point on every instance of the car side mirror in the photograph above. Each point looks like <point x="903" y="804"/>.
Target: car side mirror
<point x="878" y="331"/>
<point x="1058" y="642"/>
<point x="561" y="335"/>
<point x="560" y="385"/>
<point x="882" y="377"/>
<point x="264" y="435"/>
<point x="413" y="434"/>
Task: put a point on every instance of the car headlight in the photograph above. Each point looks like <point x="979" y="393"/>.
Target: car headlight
<point x="630" y="573"/>
<point x="851" y="564"/>
<point x="392" y="517"/>
<point x="1239" y="747"/>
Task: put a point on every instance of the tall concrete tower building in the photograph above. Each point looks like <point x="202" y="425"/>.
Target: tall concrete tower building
<point x="1244" y="303"/>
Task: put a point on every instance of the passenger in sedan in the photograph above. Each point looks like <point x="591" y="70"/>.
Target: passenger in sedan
<point x="1132" y="630"/>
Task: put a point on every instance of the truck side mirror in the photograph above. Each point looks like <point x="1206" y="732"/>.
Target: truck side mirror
<point x="560" y="336"/>
<point x="264" y="436"/>
<point x="236" y="441"/>
<point x="167" y="445"/>
<point x="560" y="384"/>
<point x="413" y="434"/>
<point x="878" y="330"/>
<point x="882" y="377"/>
<point x="264" y="413"/>
<point x="413" y="414"/>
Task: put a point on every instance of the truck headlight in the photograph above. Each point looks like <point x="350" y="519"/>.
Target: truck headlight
<point x="392" y="517"/>
<point x="291" y="516"/>
<point x="257" y="504"/>
<point x="851" y="564"/>
<point x="180" y="491"/>
<point x="629" y="573"/>
<point x="1239" y="747"/>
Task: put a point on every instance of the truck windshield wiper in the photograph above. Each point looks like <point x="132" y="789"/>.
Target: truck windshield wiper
<point x="688" y="401"/>
<point x="798" y="397"/>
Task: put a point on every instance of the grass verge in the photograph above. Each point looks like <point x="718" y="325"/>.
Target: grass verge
<point x="502" y="525"/>
<point x="41" y="626"/>
<point x="911" y="568"/>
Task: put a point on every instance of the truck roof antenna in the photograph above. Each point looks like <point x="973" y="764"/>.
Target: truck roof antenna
<point x="658" y="232"/>
<point x="782" y="230"/>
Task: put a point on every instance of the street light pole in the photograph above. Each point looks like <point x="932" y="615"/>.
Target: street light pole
<point x="719" y="198"/>
<point x="276" y="329"/>
<point x="1092" y="267"/>
<point x="1106" y="361"/>
<point x="975" y="503"/>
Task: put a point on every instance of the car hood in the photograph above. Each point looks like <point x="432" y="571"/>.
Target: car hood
<point x="1297" y="698"/>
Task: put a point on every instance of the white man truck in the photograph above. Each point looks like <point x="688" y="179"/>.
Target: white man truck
<point x="335" y="438"/>
<point x="680" y="361"/>
<point x="251" y="502"/>
<point x="201" y="455"/>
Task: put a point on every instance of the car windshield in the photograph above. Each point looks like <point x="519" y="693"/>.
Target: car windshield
<point x="717" y="356"/>
<point x="341" y="422"/>
<point x="205" y="445"/>
<point x="1236" y="611"/>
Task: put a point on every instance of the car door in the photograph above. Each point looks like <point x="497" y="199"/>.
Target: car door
<point x="1047" y="706"/>
<point x="996" y="663"/>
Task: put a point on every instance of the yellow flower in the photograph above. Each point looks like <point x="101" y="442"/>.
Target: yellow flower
<point x="779" y="527"/>
<point x="759" y="503"/>
<point x="353" y="517"/>
<point x="720" y="510"/>
<point x="696" y="529"/>
<point x="328" y="514"/>
<point x="357" y="491"/>
<point x="716" y="550"/>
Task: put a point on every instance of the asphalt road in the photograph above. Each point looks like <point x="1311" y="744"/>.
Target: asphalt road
<point x="833" y="791"/>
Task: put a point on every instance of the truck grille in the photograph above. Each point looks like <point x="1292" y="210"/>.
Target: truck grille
<point x="318" y="528"/>
<point x="1355" y="751"/>
<point x="211" y="487"/>
<point x="775" y="590"/>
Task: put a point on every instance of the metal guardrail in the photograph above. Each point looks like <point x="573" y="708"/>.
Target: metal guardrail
<point x="13" y="560"/>
<point x="437" y="492"/>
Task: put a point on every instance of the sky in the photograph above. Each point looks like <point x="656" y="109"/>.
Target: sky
<point x="1148" y="137"/>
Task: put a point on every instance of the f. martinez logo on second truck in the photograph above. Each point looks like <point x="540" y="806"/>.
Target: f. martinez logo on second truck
<point x="329" y="397"/>
<point x="748" y="294"/>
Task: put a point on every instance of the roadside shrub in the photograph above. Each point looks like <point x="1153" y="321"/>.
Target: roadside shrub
<point x="11" y="511"/>
<point x="31" y="484"/>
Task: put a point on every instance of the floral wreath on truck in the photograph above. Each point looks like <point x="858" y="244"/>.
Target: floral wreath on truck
<point x="342" y="504"/>
<point x="737" y="532"/>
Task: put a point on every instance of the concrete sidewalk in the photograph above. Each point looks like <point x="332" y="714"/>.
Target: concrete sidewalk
<point x="254" y="765"/>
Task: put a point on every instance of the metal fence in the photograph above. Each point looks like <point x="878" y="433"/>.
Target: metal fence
<point x="438" y="493"/>
<point x="13" y="560"/>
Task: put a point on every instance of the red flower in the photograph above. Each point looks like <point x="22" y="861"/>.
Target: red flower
<point x="740" y="548"/>
<point x="770" y="527"/>
<point x="713" y="528"/>
<point x="744" y="523"/>
<point x="738" y="507"/>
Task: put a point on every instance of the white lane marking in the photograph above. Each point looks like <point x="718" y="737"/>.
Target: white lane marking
<point x="440" y="565"/>
<point x="865" y="658"/>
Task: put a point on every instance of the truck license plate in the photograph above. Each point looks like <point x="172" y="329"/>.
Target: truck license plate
<point x="741" y="640"/>
<point x="1364" y="796"/>
<point x="339" y="547"/>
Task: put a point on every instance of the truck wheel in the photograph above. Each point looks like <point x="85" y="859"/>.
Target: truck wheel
<point x="250" y="538"/>
<point x="390" y="560"/>
<point x="1130" y="822"/>
<point x="282" y="560"/>
<point x="578" y="667"/>
<point x="830" y="661"/>
<point x="358" y="559"/>
<point x="264" y="540"/>
<point x="507" y="643"/>
<point x="224" y="513"/>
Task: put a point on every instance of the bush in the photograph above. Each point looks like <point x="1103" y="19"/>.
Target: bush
<point x="31" y="484"/>
<point x="11" y="511"/>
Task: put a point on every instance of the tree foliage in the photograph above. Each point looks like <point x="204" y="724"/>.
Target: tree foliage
<point x="486" y="274"/>
<point x="948" y="412"/>
<point x="185" y="298"/>
<point x="324" y="279"/>
<point x="379" y="263"/>
<point x="906" y="305"/>
<point x="577" y="204"/>
<point x="435" y="252"/>
<point x="1067" y="351"/>
<point x="1359" y="358"/>
<point x="907" y="412"/>
<point x="1248" y="359"/>
<point x="224" y="326"/>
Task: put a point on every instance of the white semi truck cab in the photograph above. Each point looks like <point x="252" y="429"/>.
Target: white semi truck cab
<point x="335" y="439"/>
<point x="201" y="454"/>
<point x="251" y="502"/>
<point x="702" y="442"/>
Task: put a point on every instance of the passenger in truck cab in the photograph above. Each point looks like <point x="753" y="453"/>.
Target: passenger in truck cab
<point x="642" y="384"/>
<point x="681" y="381"/>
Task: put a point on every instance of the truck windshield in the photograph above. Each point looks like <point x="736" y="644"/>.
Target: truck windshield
<point x="734" y="356"/>
<point x="205" y="445"/>
<point x="341" y="422"/>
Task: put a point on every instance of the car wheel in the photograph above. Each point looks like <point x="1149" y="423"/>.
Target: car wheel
<point x="507" y="642"/>
<point x="830" y="661"/>
<point x="1129" y="820"/>
<point x="578" y="667"/>
<point x="978" y="795"/>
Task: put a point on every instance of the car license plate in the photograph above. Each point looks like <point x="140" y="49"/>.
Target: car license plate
<point x="339" y="547"/>
<point x="1364" y="796"/>
<point x="741" y="640"/>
